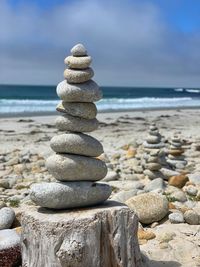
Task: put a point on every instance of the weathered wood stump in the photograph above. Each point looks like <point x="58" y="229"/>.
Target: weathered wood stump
<point x="101" y="236"/>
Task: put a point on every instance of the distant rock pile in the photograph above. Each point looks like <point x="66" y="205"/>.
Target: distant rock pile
<point x="75" y="165"/>
<point x="154" y="139"/>
<point x="176" y="159"/>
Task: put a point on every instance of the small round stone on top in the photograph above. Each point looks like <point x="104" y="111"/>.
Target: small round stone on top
<point x="79" y="50"/>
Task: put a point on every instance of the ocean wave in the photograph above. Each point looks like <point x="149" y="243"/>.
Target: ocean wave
<point x="28" y="105"/>
<point x="179" y="90"/>
<point x="195" y="91"/>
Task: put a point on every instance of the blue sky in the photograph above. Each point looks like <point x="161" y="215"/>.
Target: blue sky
<point x="132" y="42"/>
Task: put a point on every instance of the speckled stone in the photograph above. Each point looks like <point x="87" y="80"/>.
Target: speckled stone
<point x="78" y="76"/>
<point x="79" y="50"/>
<point x="83" y="92"/>
<point x="77" y="143"/>
<point x="69" y="195"/>
<point x="10" y="248"/>
<point x="78" y="62"/>
<point x="150" y="207"/>
<point x="76" y="124"/>
<point x="67" y="167"/>
<point x="77" y="109"/>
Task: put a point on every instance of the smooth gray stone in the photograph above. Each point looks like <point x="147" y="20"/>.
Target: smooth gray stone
<point x="153" y="139"/>
<point x="78" y="62"/>
<point x="176" y="217"/>
<point x="75" y="124"/>
<point x="83" y="92"/>
<point x="194" y="178"/>
<point x="147" y="145"/>
<point x="77" y="109"/>
<point x="7" y="216"/>
<point x="155" y="184"/>
<point x="68" y="167"/>
<point x="78" y="50"/>
<point x="76" y="143"/>
<point x="78" y="76"/>
<point x="69" y="195"/>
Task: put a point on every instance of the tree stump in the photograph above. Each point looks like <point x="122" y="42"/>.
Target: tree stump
<point x="101" y="236"/>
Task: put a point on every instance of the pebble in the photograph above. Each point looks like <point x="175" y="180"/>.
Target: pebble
<point x="2" y="204"/>
<point x="78" y="62"/>
<point x="145" y="234"/>
<point x="78" y="76"/>
<point x="178" y="180"/>
<point x="194" y="177"/>
<point x="191" y="190"/>
<point x="76" y="143"/>
<point x="155" y="184"/>
<point x="150" y="207"/>
<point x="153" y="166"/>
<point x="7" y="216"/>
<point x="12" y="161"/>
<point x="69" y="195"/>
<point x="67" y="167"/>
<point x="123" y="195"/>
<point x="4" y="183"/>
<point x="76" y="124"/>
<point x="153" y="139"/>
<point x="82" y="110"/>
<point x="86" y="92"/>
<point x="191" y="217"/>
<point x="169" y="173"/>
<point x="10" y="248"/>
<point x="79" y="50"/>
<point x="179" y="195"/>
<point x="176" y="217"/>
<point x="111" y="176"/>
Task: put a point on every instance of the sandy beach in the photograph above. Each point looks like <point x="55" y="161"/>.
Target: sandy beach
<point x="25" y="146"/>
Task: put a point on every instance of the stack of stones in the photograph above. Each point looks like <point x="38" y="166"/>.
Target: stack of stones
<point x="176" y="159"/>
<point x="154" y="139"/>
<point x="153" y="156"/>
<point x="152" y="164"/>
<point x="75" y="164"/>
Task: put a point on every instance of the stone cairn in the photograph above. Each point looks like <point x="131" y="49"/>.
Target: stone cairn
<point x="102" y="236"/>
<point x="75" y="165"/>
<point x="152" y="157"/>
<point x="176" y="159"/>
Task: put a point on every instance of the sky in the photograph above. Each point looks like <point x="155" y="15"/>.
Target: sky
<point x="132" y="42"/>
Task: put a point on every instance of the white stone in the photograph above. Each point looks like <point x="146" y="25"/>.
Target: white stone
<point x="68" y="167"/>
<point x="83" y="92"/>
<point x="78" y="76"/>
<point x="7" y="216"/>
<point x="76" y="143"/>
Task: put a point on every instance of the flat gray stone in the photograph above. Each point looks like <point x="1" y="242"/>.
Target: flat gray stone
<point x="122" y="196"/>
<point x="83" y="92"/>
<point x="78" y="50"/>
<point x="150" y="207"/>
<point x="78" y="76"/>
<point x="153" y="139"/>
<point x="68" y="167"/>
<point x="194" y="178"/>
<point x="69" y="195"/>
<point x="7" y="216"/>
<point x="156" y="146"/>
<point x="75" y="124"/>
<point x="76" y="143"/>
<point x="78" y="62"/>
<point x="77" y="109"/>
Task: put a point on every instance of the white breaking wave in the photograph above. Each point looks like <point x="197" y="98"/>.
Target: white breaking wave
<point x="179" y="90"/>
<point x="24" y="106"/>
<point x="196" y="91"/>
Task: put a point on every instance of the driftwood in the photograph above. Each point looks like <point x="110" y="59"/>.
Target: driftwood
<point x="101" y="236"/>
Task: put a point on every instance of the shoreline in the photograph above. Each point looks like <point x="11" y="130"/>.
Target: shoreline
<point x="109" y="111"/>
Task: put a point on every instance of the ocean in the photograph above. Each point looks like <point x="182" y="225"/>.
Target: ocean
<point x="20" y="99"/>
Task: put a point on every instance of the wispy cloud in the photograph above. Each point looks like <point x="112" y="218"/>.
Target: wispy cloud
<point x="130" y="42"/>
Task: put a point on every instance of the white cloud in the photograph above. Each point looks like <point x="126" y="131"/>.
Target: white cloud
<point x="130" y="43"/>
